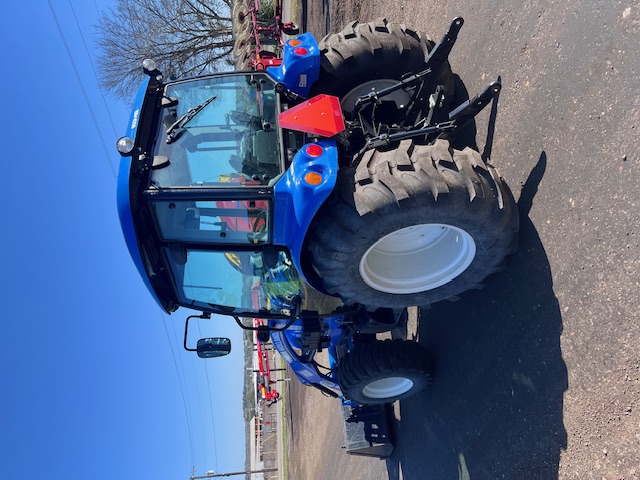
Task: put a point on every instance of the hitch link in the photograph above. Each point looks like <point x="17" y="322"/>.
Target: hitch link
<point x="470" y="108"/>
<point x="438" y="55"/>
<point x="441" y="50"/>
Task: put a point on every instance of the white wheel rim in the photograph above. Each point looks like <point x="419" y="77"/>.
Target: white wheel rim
<point x="418" y="258"/>
<point x="388" y="387"/>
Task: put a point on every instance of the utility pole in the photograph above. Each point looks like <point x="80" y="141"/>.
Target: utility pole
<point x="231" y="474"/>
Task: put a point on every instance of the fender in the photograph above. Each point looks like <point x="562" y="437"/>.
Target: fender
<point x="296" y="200"/>
<point x="300" y="66"/>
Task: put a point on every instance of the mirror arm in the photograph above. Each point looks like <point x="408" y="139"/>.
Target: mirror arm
<point x="271" y="329"/>
<point x="204" y="316"/>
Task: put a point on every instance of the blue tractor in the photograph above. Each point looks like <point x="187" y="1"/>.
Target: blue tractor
<point x="322" y="194"/>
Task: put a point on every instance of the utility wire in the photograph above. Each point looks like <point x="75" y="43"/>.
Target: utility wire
<point x="84" y="92"/>
<point x="113" y="171"/>
<point x="184" y="402"/>
<point x="184" y="375"/>
<point x="185" y="399"/>
<point x="94" y="70"/>
<point x="213" y="421"/>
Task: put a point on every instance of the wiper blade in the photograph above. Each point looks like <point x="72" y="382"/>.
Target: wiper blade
<point x="176" y="129"/>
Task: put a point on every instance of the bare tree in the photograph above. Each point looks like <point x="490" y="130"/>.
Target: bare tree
<point x="184" y="37"/>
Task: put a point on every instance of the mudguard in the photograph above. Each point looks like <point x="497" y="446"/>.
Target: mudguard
<point x="296" y="201"/>
<point x="300" y="66"/>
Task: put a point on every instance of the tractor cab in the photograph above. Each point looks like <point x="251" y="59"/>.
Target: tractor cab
<point x="196" y="196"/>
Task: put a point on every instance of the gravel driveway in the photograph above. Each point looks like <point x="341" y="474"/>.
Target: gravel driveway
<point x="538" y="374"/>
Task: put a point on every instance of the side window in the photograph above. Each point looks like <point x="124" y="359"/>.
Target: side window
<point x="230" y="221"/>
<point x="236" y="279"/>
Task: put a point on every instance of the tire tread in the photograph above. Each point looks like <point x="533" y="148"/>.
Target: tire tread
<point x="436" y="185"/>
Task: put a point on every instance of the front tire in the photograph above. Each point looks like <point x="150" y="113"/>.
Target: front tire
<point x="384" y="371"/>
<point x="413" y="226"/>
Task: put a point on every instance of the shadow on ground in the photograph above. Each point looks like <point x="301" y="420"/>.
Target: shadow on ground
<point x="495" y="409"/>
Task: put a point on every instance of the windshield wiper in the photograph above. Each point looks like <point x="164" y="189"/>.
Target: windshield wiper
<point x="176" y="129"/>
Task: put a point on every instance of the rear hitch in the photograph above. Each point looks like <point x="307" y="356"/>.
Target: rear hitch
<point x="458" y="117"/>
<point x="469" y="109"/>
<point x="438" y="120"/>
<point x="438" y="55"/>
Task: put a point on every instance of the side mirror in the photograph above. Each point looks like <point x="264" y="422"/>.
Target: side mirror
<point x="213" y="347"/>
<point x="168" y="102"/>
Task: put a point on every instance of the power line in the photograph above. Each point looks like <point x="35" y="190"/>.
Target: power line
<point x="185" y="397"/>
<point x="213" y="421"/>
<point x="94" y="70"/>
<point x="184" y="375"/>
<point x="184" y="402"/>
<point x="84" y="92"/>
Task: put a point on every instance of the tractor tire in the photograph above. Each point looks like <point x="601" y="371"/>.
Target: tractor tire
<point x="413" y="226"/>
<point x="384" y="371"/>
<point x="240" y="42"/>
<point x="240" y="10"/>
<point x="364" y="56"/>
<point x="244" y="55"/>
<point x="240" y="18"/>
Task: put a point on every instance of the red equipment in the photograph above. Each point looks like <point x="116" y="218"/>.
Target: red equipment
<point x="268" y="393"/>
<point x="252" y="35"/>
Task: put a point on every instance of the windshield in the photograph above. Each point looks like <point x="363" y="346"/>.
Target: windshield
<point x="235" y="281"/>
<point x="222" y="131"/>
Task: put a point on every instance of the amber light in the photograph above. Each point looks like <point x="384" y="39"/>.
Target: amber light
<point x="294" y="43"/>
<point x="313" y="178"/>
<point x="300" y="51"/>
<point x="314" y="150"/>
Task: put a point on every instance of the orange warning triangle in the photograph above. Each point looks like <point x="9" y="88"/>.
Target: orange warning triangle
<point x="321" y="115"/>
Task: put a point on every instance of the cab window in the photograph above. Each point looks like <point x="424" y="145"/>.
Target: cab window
<point x="221" y="132"/>
<point x="206" y="221"/>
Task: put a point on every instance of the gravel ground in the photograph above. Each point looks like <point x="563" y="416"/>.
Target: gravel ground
<point x="538" y="374"/>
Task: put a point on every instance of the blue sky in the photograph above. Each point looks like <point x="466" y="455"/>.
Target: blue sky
<point x="94" y="382"/>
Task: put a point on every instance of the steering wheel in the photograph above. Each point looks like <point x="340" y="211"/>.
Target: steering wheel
<point x="260" y="222"/>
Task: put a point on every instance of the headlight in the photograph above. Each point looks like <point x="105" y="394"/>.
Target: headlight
<point x="150" y="67"/>
<point x="125" y="145"/>
<point x="149" y="64"/>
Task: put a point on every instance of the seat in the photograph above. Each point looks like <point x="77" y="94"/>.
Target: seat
<point x="265" y="147"/>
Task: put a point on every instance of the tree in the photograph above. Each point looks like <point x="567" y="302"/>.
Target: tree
<point x="184" y="37"/>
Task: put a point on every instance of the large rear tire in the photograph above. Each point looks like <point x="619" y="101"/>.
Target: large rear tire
<point x="384" y="371"/>
<point x="364" y="56"/>
<point x="413" y="226"/>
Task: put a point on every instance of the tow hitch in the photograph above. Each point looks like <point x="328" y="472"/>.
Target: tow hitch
<point x="438" y="120"/>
